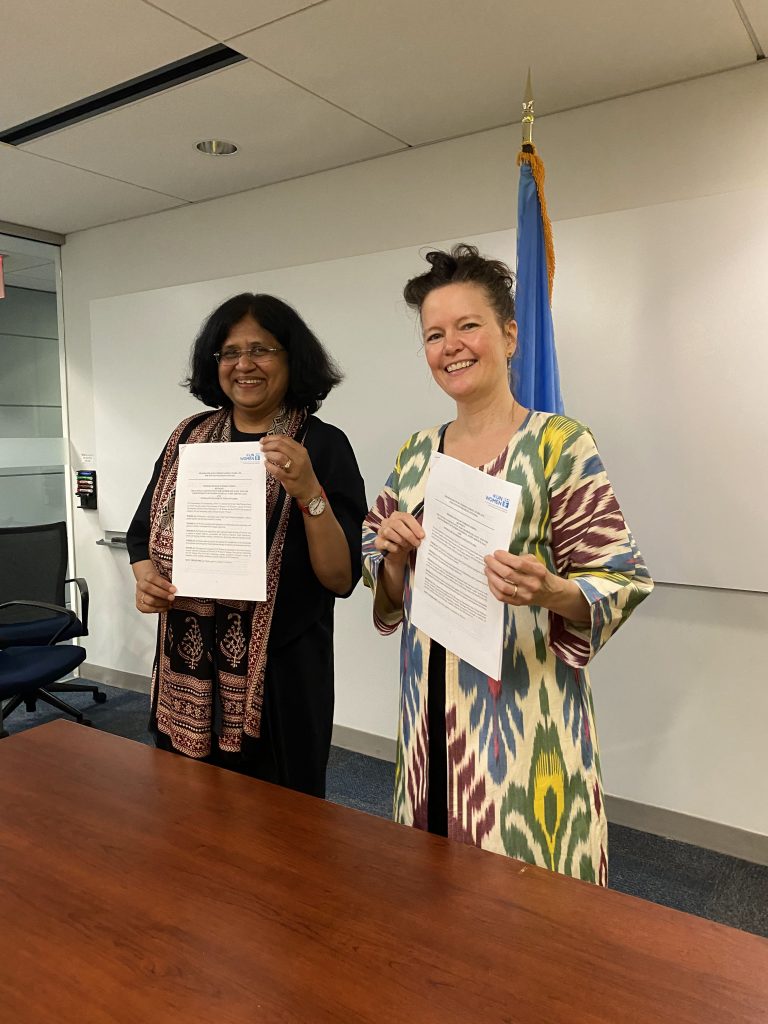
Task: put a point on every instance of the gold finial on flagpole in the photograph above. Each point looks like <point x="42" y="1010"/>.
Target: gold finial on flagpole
<point x="528" y="155"/>
<point x="528" y="114"/>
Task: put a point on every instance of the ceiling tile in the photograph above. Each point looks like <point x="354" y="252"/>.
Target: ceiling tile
<point x="282" y="132"/>
<point x="53" y="53"/>
<point x="44" y="272"/>
<point x="229" y="18"/>
<point x="757" y="12"/>
<point x="44" y="194"/>
<point x="15" y="262"/>
<point x="423" y="74"/>
<point x="38" y="282"/>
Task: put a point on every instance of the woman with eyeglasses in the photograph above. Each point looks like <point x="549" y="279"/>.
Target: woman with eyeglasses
<point x="249" y="685"/>
<point x="510" y="764"/>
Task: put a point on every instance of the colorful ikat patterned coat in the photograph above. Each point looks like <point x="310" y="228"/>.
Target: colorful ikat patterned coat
<point x="523" y="765"/>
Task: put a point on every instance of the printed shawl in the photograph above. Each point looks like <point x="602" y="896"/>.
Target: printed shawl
<point x="208" y="675"/>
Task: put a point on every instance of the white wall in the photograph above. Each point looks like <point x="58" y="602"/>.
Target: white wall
<point x="680" y="692"/>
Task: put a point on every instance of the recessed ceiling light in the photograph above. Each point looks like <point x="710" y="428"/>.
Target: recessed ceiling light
<point x="216" y="147"/>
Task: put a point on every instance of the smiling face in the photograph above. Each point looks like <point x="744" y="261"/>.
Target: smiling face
<point x="466" y="347"/>
<point x="255" y="388"/>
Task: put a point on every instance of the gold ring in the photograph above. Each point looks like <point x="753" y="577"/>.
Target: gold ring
<point x="514" y="592"/>
<point x="288" y="465"/>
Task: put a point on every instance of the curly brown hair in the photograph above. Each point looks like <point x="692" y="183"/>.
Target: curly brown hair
<point x="464" y="265"/>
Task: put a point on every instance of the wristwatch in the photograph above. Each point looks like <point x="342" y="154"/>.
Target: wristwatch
<point x="315" y="506"/>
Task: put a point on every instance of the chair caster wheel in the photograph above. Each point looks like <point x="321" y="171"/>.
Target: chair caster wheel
<point x="100" y="698"/>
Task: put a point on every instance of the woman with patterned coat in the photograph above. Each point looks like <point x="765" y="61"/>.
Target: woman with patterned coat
<point x="249" y="685"/>
<point x="510" y="765"/>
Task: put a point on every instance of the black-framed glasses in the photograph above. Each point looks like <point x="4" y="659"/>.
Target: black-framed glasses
<point x="256" y="354"/>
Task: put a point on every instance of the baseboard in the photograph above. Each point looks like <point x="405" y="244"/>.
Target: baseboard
<point x="114" y="677"/>
<point x="685" y="828"/>
<point x="364" y="743"/>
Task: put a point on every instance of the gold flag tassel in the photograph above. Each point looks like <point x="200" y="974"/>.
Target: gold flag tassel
<point x="529" y="156"/>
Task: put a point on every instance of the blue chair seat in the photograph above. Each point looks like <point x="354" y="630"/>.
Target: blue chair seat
<point x="39" y="631"/>
<point x="34" y="668"/>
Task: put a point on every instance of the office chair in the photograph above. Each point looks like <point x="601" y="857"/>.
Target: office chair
<point x="33" y="565"/>
<point x="29" y="673"/>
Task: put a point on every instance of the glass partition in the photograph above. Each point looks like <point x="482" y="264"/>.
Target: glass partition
<point x="33" y="480"/>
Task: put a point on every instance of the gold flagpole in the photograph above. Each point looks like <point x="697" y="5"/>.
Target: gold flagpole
<point x="529" y="156"/>
<point x="528" y="116"/>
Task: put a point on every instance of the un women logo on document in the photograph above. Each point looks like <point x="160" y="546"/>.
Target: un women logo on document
<point x="250" y="457"/>
<point x="498" y="500"/>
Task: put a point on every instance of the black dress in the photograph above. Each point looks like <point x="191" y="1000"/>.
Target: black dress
<point x="297" y="713"/>
<point x="437" y="775"/>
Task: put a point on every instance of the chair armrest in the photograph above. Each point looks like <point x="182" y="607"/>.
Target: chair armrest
<point x="82" y="586"/>
<point x="71" y="616"/>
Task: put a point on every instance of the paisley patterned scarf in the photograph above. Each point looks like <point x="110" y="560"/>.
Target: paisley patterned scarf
<point x="208" y="676"/>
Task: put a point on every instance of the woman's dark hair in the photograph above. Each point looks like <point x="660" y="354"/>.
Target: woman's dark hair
<point x="312" y="372"/>
<point x="464" y="265"/>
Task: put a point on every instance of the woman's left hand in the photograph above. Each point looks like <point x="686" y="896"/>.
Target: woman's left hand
<point x="520" y="579"/>
<point x="289" y="462"/>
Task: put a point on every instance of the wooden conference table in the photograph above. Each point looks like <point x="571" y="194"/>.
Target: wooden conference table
<point x="141" y="887"/>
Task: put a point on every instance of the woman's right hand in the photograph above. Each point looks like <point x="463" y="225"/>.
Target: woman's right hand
<point x="153" y="592"/>
<point x="398" y="536"/>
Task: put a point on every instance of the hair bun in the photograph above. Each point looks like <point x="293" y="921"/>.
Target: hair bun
<point x="464" y="265"/>
<point x="441" y="262"/>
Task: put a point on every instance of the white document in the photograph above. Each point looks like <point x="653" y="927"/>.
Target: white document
<point x="467" y="515"/>
<point x="220" y="530"/>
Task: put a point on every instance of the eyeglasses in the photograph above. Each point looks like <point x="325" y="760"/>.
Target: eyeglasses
<point x="256" y="354"/>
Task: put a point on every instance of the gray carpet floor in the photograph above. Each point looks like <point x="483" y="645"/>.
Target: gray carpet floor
<point x="677" y="875"/>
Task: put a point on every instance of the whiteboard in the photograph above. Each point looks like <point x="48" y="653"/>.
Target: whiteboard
<point x="660" y="319"/>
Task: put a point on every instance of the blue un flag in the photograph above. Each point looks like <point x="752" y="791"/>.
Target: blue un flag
<point x="535" y="376"/>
